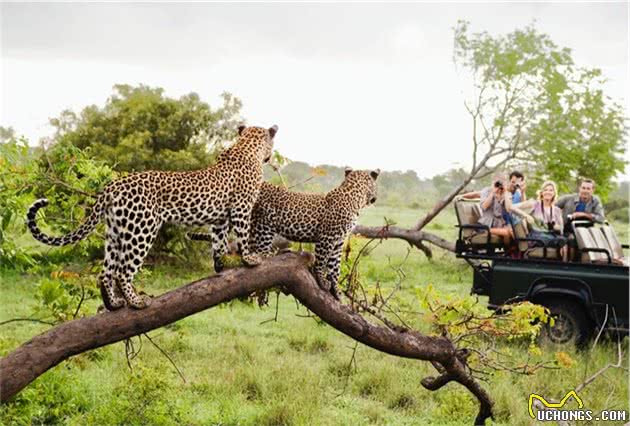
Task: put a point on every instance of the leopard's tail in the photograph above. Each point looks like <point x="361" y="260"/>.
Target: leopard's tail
<point x="78" y="234"/>
<point x="199" y="236"/>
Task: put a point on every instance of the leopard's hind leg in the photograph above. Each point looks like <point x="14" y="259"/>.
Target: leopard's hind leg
<point x="107" y="279"/>
<point x="135" y="247"/>
<point x="334" y="268"/>
<point x="261" y="238"/>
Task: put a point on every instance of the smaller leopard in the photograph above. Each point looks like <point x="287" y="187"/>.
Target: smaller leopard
<point x="323" y="219"/>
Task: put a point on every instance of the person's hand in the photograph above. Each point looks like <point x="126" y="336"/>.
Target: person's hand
<point x="530" y="219"/>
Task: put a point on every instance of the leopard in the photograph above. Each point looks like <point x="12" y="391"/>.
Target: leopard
<point x="323" y="219"/>
<point x="135" y="207"/>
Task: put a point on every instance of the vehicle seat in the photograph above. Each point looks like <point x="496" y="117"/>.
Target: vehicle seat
<point x="468" y="213"/>
<point x="586" y="239"/>
<point x="520" y="234"/>
<point x="613" y="242"/>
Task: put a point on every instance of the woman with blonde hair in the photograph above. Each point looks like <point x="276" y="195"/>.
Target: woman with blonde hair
<point x="544" y="218"/>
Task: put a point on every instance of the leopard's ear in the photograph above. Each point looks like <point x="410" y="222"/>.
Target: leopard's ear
<point x="241" y="127"/>
<point x="375" y="173"/>
<point x="273" y="130"/>
<point x="347" y="171"/>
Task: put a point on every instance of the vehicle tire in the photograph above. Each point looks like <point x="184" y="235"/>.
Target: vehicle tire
<point x="571" y="325"/>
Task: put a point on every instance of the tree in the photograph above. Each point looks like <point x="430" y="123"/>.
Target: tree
<point x="582" y="135"/>
<point x="522" y="86"/>
<point x="6" y="134"/>
<point x="140" y="128"/>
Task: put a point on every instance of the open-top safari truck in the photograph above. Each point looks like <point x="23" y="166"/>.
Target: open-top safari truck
<point x="587" y="294"/>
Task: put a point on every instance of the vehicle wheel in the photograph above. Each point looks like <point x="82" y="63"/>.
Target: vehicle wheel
<point x="571" y="325"/>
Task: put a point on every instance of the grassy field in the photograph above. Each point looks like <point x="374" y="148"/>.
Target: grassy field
<point x="242" y="369"/>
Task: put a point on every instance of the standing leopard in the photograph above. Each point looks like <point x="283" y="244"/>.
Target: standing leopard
<point x="136" y="206"/>
<point x="323" y="219"/>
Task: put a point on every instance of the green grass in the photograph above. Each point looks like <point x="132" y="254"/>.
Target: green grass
<point x="242" y="369"/>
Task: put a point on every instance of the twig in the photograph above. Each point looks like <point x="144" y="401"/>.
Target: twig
<point x="353" y="361"/>
<point x="277" y="170"/>
<point x="605" y="368"/>
<point x="167" y="357"/>
<point x="601" y="329"/>
<point x="52" y="178"/>
<point x="275" y="318"/>
<point x="27" y="319"/>
<point x="76" y="312"/>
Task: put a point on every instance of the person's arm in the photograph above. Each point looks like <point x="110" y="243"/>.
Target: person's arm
<point x="507" y="200"/>
<point x="523" y="206"/>
<point x="521" y="210"/>
<point x="559" y="222"/>
<point x="523" y="191"/>
<point x="471" y="195"/>
<point x="598" y="211"/>
<point x="562" y="201"/>
<point x="486" y="203"/>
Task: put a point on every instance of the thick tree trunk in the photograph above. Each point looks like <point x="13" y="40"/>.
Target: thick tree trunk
<point x="26" y="363"/>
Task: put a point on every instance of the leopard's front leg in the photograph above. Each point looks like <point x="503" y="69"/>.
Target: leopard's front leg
<point x="219" y="236"/>
<point x="240" y="218"/>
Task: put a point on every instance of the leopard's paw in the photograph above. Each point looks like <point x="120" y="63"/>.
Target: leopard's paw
<point x="141" y="302"/>
<point x="252" y="259"/>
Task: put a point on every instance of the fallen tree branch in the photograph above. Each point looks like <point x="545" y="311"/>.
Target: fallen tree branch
<point x="290" y="270"/>
<point x="415" y="238"/>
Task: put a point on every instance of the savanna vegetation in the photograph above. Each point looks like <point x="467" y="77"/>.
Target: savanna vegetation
<point x="274" y="363"/>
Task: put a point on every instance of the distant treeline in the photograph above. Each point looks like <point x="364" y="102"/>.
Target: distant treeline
<point x="397" y="188"/>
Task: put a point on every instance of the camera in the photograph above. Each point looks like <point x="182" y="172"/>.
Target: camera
<point x="550" y="225"/>
<point x="498" y="184"/>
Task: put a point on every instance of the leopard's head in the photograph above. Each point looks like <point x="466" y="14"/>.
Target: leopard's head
<point x="365" y="180"/>
<point x="260" y="138"/>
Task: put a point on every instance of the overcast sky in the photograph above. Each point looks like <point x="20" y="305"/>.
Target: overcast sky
<point x="365" y="85"/>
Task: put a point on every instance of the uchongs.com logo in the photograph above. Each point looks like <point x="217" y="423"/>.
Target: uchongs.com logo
<point x="556" y="411"/>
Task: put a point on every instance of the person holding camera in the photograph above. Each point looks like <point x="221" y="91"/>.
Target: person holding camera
<point x="544" y="219"/>
<point x="517" y="187"/>
<point x="496" y="202"/>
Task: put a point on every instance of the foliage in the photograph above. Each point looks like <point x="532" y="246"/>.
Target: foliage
<point x="7" y="134"/>
<point x="466" y="316"/>
<point x="62" y="296"/>
<point x="70" y="183"/>
<point x="17" y="170"/>
<point x="51" y="400"/>
<point x="616" y="207"/>
<point x="139" y="401"/>
<point x="510" y="73"/>
<point x="140" y="128"/>
<point x="583" y="134"/>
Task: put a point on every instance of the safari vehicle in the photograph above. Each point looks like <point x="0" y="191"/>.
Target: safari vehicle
<point x="586" y="295"/>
